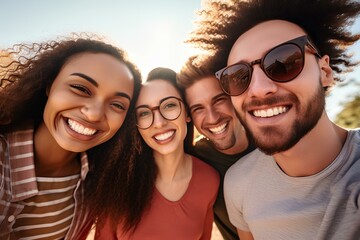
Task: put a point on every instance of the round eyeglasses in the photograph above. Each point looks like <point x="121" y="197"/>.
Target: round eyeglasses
<point x="169" y="108"/>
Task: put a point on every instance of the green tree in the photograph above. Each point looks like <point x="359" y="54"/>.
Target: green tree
<point x="349" y="117"/>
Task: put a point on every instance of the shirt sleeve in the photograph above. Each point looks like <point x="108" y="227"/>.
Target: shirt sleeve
<point x="233" y="200"/>
<point x="342" y="215"/>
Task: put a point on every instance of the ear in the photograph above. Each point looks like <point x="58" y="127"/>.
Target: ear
<point x="188" y="118"/>
<point x="327" y="76"/>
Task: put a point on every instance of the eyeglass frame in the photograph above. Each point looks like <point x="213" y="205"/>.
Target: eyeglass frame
<point x="152" y="109"/>
<point x="300" y="42"/>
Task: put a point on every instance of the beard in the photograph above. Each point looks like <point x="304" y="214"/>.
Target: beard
<point x="273" y="140"/>
<point x="224" y="145"/>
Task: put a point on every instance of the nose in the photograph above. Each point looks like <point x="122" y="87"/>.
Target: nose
<point x="93" y="112"/>
<point x="261" y="85"/>
<point x="212" y="115"/>
<point x="159" y="121"/>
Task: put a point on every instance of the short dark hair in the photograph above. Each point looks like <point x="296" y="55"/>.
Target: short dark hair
<point x="327" y="23"/>
<point x="196" y="68"/>
<point x="168" y="75"/>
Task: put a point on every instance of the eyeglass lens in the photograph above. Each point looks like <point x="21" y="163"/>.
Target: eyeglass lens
<point x="169" y="109"/>
<point x="281" y="64"/>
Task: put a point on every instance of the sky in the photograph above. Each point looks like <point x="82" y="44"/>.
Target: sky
<point x="152" y="32"/>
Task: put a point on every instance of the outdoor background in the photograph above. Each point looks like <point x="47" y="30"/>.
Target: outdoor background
<point x="152" y="32"/>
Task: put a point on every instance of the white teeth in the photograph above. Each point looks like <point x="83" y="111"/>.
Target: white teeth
<point x="164" y="136"/>
<point x="219" y="129"/>
<point x="80" y="128"/>
<point x="270" y="112"/>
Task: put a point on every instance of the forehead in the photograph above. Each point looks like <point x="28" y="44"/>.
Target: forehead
<point x="111" y="75"/>
<point x="203" y="89"/>
<point x="152" y="92"/>
<point x="256" y="41"/>
<point x="87" y="61"/>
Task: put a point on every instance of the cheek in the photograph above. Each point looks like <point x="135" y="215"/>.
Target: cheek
<point x="227" y="109"/>
<point x="197" y="119"/>
<point x="146" y="137"/>
<point x="50" y="112"/>
<point x="237" y="102"/>
<point x="116" y="121"/>
<point x="143" y="133"/>
<point x="183" y="125"/>
<point x="46" y="115"/>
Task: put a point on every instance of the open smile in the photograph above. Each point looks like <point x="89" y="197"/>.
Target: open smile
<point x="270" y="112"/>
<point x="81" y="129"/>
<point x="164" y="136"/>
<point x="218" y="129"/>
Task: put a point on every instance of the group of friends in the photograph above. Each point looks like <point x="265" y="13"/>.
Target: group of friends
<point x="85" y="143"/>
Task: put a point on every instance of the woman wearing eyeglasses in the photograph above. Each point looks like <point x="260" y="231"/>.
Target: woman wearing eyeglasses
<point x="167" y="194"/>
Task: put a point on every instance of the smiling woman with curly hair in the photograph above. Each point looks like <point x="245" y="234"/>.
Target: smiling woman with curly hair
<point x="66" y="111"/>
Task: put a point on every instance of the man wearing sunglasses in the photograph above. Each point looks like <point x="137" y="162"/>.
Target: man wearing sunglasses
<point x="214" y="117"/>
<point x="303" y="182"/>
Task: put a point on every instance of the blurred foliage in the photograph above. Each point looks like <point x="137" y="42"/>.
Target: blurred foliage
<point x="349" y="117"/>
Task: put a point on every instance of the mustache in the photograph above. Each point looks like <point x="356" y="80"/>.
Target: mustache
<point x="272" y="100"/>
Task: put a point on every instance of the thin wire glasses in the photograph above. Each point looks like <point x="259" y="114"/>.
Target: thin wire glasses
<point x="169" y="108"/>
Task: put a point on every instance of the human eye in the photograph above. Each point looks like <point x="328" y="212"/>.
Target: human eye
<point x="170" y="105"/>
<point x="118" y="106"/>
<point x="221" y="100"/>
<point x="196" y="110"/>
<point x="143" y="113"/>
<point x="80" y="89"/>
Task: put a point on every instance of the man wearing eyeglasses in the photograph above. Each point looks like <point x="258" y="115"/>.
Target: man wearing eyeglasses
<point x="303" y="182"/>
<point x="214" y="117"/>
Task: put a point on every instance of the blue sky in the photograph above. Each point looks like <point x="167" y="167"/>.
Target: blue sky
<point x="150" y="31"/>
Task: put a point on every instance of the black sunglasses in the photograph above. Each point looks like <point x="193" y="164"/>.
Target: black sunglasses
<point x="282" y="63"/>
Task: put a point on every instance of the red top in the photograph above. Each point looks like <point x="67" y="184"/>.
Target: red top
<point x="189" y="218"/>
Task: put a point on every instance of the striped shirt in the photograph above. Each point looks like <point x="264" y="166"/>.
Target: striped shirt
<point x="48" y="214"/>
<point x="18" y="185"/>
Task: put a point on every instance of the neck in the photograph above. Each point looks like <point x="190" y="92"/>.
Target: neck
<point x="174" y="175"/>
<point x="52" y="160"/>
<point x="315" y="151"/>
<point x="172" y="166"/>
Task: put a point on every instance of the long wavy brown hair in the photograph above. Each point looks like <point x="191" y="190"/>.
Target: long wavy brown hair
<point x="127" y="188"/>
<point x="30" y="69"/>
<point x="327" y="22"/>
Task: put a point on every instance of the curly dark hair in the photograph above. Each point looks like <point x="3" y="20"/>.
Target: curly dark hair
<point x="31" y="69"/>
<point x="327" y="23"/>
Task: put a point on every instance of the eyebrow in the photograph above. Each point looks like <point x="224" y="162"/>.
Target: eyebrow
<point x="219" y="95"/>
<point x="93" y="82"/>
<point x="195" y="106"/>
<point x="86" y="77"/>
<point x="161" y="100"/>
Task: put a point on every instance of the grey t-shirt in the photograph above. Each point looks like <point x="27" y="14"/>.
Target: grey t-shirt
<point x="262" y="199"/>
